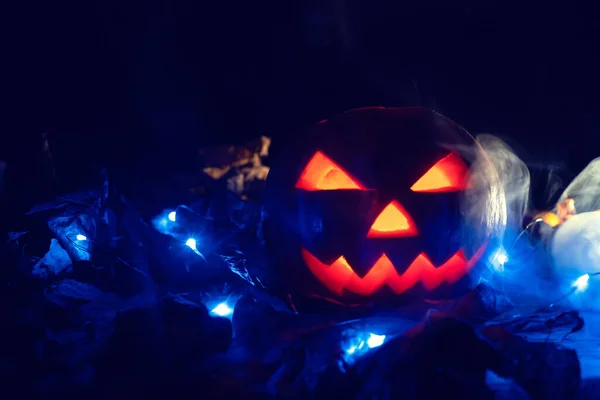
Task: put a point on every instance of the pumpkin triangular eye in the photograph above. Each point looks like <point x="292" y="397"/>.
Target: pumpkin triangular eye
<point x="450" y="174"/>
<point x="321" y="173"/>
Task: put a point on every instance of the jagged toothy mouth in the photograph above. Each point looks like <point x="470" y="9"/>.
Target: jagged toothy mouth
<point x="340" y="276"/>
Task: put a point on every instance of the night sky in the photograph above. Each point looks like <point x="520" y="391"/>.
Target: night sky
<point x="120" y="82"/>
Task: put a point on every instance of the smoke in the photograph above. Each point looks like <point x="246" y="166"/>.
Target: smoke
<point x="585" y="189"/>
<point x="517" y="270"/>
<point x="531" y="270"/>
<point x="574" y="247"/>
<point x="500" y="183"/>
<point x="500" y="200"/>
<point x="514" y="177"/>
<point x="484" y="205"/>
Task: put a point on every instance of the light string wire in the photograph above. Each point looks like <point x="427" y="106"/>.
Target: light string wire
<point x="574" y="287"/>
<point x="75" y="244"/>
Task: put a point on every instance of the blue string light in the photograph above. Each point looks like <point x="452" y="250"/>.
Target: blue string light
<point x="500" y="258"/>
<point x="582" y="282"/>
<point x="222" y="310"/>
<point x="359" y="344"/>
<point x="191" y="243"/>
<point x="375" y="340"/>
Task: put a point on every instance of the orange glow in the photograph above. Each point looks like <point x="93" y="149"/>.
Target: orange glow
<point x="450" y="174"/>
<point x="323" y="174"/>
<point x="393" y="221"/>
<point x="340" y="276"/>
<point x="549" y="218"/>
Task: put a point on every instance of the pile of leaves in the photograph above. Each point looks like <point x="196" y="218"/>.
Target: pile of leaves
<point x="89" y="278"/>
<point x="97" y="302"/>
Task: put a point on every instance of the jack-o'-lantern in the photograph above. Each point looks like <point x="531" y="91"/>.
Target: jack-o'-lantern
<point x="378" y="205"/>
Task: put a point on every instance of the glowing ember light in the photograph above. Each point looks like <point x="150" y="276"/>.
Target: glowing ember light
<point x="582" y="282"/>
<point x="172" y="216"/>
<point x="81" y="237"/>
<point x="191" y="243"/>
<point x="222" y="310"/>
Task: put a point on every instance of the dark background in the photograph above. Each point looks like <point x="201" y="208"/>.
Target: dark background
<point x="128" y="83"/>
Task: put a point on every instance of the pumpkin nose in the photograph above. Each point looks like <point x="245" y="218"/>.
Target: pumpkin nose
<point x="393" y="222"/>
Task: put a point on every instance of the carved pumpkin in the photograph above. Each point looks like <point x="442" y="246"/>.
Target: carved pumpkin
<point x="380" y="204"/>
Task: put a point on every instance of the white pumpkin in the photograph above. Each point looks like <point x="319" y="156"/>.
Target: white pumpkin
<point x="575" y="247"/>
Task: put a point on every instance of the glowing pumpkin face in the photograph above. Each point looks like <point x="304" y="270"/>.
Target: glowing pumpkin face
<point x="368" y="207"/>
